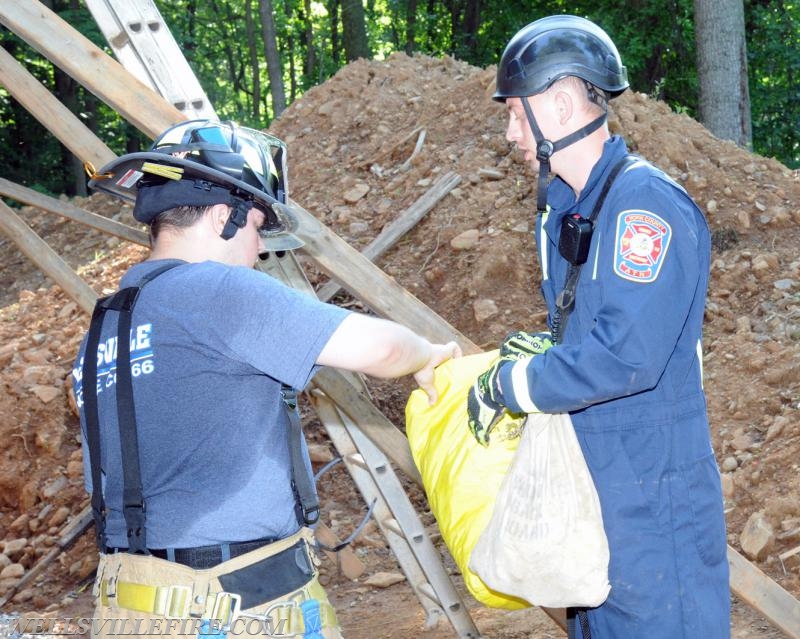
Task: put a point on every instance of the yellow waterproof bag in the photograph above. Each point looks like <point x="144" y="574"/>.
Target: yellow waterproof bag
<point x="461" y="477"/>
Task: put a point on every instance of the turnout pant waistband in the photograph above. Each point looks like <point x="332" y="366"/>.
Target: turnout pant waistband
<point x="185" y="592"/>
<point x="202" y="557"/>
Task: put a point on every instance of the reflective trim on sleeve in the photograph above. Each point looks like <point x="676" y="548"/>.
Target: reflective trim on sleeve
<point x="543" y="245"/>
<point x="700" y="361"/>
<point x="519" y="386"/>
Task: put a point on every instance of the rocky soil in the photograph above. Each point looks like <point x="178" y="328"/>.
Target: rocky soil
<point x="363" y="147"/>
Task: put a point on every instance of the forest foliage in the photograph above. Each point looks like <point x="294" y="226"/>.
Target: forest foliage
<point x="224" y="42"/>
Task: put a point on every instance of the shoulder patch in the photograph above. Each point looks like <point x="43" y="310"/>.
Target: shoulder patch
<point x="641" y="244"/>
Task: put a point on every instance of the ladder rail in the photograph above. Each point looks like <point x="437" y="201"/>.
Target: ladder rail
<point x="381" y="512"/>
<point x="145" y="46"/>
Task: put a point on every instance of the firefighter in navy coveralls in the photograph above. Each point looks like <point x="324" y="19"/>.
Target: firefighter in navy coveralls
<point x="627" y="359"/>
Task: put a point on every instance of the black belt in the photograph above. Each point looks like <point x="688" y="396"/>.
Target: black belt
<point x="202" y="557"/>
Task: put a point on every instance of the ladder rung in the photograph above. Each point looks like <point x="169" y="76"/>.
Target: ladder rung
<point x="427" y="590"/>
<point x="358" y="460"/>
<point x="392" y="524"/>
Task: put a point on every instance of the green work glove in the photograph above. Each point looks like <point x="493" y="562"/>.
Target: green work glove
<point x="520" y="344"/>
<point x="483" y="406"/>
<point x="483" y="409"/>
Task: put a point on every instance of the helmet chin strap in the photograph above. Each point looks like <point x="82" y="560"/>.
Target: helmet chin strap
<point x="237" y="219"/>
<point x="545" y="149"/>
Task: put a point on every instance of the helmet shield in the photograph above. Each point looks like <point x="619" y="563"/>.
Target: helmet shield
<point x="555" y="47"/>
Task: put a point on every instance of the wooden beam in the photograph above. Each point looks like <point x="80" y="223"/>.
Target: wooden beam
<point x="45" y="258"/>
<point x="40" y="103"/>
<point x="397" y="228"/>
<point x="760" y="592"/>
<point x="89" y="65"/>
<point x="74" y="529"/>
<point x="365" y="281"/>
<point x="65" y="209"/>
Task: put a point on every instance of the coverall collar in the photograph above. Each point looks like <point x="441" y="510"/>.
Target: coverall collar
<point x="561" y="198"/>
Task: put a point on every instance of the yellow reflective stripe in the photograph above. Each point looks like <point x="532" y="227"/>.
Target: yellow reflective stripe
<point x="174" y="601"/>
<point x="167" y="601"/>
<point x="136" y="596"/>
<point x="171" y="172"/>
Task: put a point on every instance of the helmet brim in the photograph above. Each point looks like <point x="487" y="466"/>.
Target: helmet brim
<point x="123" y="176"/>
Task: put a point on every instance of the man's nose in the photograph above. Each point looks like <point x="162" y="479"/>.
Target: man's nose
<point x="512" y="130"/>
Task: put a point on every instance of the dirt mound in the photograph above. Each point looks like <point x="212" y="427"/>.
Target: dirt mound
<point x="365" y="146"/>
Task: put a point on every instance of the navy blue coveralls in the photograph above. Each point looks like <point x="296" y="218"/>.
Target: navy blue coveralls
<point x="629" y="372"/>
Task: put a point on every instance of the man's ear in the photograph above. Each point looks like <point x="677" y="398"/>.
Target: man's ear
<point x="218" y="215"/>
<point x="565" y="106"/>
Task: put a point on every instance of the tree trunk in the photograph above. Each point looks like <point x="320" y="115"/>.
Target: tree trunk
<point x="274" y="67"/>
<point x="253" y="49"/>
<point x="225" y="19"/>
<point x="354" y="31"/>
<point x="472" y="20"/>
<point x="66" y="90"/>
<point x="455" y="9"/>
<point x="310" y="60"/>
<point x="333" y="12"/>
<point x="289" y="52"/>
<point x="431" y="24"/>
<point x="722" y="69"/>
<point x="411" y="23"/>
<point x="191" y="29"/>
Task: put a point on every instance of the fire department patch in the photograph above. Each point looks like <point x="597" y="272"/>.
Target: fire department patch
<point x="641" y="245"/>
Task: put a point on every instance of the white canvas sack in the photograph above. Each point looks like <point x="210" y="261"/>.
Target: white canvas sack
<point x="545" y="541"/>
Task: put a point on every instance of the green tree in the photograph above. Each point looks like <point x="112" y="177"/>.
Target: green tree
<point x="227" y="50"/>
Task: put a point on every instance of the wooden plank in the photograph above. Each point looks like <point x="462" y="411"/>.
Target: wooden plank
<point x="55" y="39"/>
<point x="759" y="591"/>
<point x="72" y="531"/>
<point x="46" y="258"/>
<point x="65" y="209"/>
<point x="395" y="230"/>
<point x="32" y="95"/>
<point x="365" y="281"/>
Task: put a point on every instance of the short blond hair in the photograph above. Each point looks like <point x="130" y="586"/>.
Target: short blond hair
<point x="595" y="96"/>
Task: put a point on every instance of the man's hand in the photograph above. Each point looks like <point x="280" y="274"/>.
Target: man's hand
<point x="483" y="400"/>
<point x="520" y="344"/>
<point x="425" y="376"/>
<point x="483" y="409"/>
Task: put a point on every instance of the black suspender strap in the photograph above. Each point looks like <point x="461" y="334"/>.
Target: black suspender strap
<point x="565" y="302"/>
<point x="132" y="497"/>
<point x="89" y="377"/>
<point x="302" y="482"/>
<point x="133" y="506"/>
